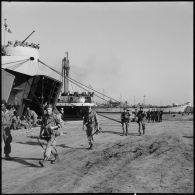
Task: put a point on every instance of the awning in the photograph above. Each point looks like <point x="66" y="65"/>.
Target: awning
<point x="29" y="67"/>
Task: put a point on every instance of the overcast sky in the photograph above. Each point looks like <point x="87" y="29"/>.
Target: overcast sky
<point x="126" y="49"/>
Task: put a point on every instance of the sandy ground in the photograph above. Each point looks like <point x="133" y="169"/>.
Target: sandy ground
<point x="161" y="161"/>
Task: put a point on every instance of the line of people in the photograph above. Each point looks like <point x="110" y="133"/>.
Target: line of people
<point x="23" y="44"/>
<point x="154" y="115"/>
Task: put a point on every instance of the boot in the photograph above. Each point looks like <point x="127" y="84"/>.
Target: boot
<point x="90" y="146"/>
<point x="8" y="157"/>
<point x="42" y="163"/>
<point x="57" y="159"/>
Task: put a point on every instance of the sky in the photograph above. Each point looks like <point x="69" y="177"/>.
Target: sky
<point x="127" y="50"/>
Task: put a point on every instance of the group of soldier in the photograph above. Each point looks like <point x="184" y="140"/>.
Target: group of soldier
<point x="154" y="115"/>
<point x="11" y="120"/>
<point x="139" y="116"/>
<point x="51" y="123"/>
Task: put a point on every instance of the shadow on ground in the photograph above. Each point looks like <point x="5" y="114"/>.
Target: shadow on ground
<point x="120" y="133"/>
<point x="65" y="146"/>
<point x="30" y="143"/>
<point x="22" y="161"/>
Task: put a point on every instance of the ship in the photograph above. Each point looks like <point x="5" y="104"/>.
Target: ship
<point x="178" y="108"/>
<point x="73" y="105"/>
<point x="27" y="81"/>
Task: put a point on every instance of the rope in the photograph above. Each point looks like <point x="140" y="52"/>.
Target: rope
<point x="94" y="90"/>
<point x="73" y="81"/>
<point x="17" y="65"/>
<point x="15" y="61"/>
<point x="109" y="118"/>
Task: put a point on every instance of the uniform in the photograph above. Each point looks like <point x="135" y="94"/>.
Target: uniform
<point x="28" y="117"/>
<point x="148" y="115"/>
<point x="125" y="119"/>
<point x="49" y="134"/>
<point x="14" y="122"/>
<point x="34" y="117"/>
<point x="6" y="131"/>
<point x="141" y="123"/>
<point x="161" y="113"/>
<point x="90" y="120"/>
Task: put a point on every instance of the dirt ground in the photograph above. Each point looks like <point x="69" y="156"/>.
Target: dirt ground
<point x="161" y="161"/>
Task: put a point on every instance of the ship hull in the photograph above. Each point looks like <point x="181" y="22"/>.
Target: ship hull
<point x="177" y="109"/>
<point x="73" y="111"/>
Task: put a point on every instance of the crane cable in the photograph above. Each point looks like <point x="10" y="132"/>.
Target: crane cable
<point x="74" y="81"/>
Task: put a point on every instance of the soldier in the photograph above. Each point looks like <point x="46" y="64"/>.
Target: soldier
<point x="34" y="118"/>
<point x="28" y="117"/>
<point x="134" y="116"/>
<point x="152" y="115"/>
<point x="148" y="115"/>
<point x="6" y="131"/>
<point x="23" y="122"/>
<point x="49" y="132"/>
<point x="161" y="113"/>
<point x="31" y="114"/>
<point x="156" y="115"/>
<point x="125" y="119"/>
<point x="141" y="116"/>
<point x="15" y="121"/>
<point x="90" y="120"/>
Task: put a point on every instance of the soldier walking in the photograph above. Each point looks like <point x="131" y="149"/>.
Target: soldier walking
<point x="125" y="119"/>
<point x="141" y="116"/>
<point x="90" y="120"/>
<point x="49" y="132"/>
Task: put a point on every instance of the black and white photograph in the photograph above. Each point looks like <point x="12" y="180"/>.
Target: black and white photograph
<point x="97" y="97"/>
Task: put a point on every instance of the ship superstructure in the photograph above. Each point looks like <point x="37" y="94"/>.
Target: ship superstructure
<point x="72" y="105"/>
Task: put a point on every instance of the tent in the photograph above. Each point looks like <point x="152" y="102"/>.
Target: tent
<point x="7" y="80"/>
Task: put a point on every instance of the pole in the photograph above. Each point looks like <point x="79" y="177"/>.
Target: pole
<point x="28" y="36"/>
<point x="103" y="97"/>
<point x="4" y="29"/>
<point x="144" y="99"/>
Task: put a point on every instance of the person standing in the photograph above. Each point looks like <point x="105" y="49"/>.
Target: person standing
<point x="90" y="120"/>
<point x="161" y="113"/>
<point x="125" y="119"/>
<point x="14" y="123"/>
<point x="49" y="132"/>
<point x="148" y="115"/>
<point x="31" y="116"/>
<point x="28" y="117"/>
<point x="34" y="118"/>
<point x="141" y="123"/>
<point x="6" y="131"/>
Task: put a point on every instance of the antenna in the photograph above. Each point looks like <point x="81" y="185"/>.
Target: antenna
<point x="144" y="99"/>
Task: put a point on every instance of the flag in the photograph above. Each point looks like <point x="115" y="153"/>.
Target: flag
<point x="5" y="24"/>
<point x="9" y="31"/>
<point x="6" y="27"/>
